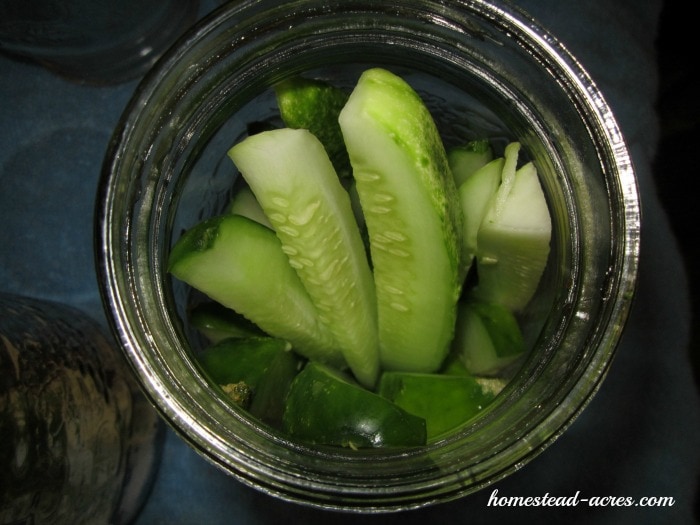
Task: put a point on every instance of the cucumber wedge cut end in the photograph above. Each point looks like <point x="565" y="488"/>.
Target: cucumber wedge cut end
<point x="240" y="264"/>
<point x="514" y="243"/>
<point x="476" y="194"/>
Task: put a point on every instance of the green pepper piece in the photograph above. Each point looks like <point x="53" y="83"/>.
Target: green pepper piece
<point x="325" y="407"/>
<point x="444" y="401"/>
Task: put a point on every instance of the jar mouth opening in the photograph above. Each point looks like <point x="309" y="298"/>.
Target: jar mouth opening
<point x="190" y="107"/>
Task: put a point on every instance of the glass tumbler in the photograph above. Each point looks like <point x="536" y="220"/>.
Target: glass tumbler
<point x="485" y="69"/>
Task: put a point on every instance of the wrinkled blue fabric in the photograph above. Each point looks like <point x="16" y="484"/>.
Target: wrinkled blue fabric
<point x="638" y="437"/>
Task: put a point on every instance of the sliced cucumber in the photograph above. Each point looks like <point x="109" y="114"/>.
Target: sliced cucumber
<point x="241" y="360"/>
<point x="413" y="216"/>
<point x="313" y="104"/>
<point x="467" y="159"/>
<point x="270" y="397"/>
<point x="510" y="166"/>
<point x="488" y="338"/>
<point x="216" y="322"/>
<point x="324" y="407"/>
<point x="359" y="215"/>
<point x="261" y="368"/>
<point x="294" y="181"/>
<point x="244" y="203"/>
<point x="240" y="264"/>
<point x="444" y="401"/>
<point x="454" y="366"/>
<point x="476" y="193"/>
<point x="514" y="241"/>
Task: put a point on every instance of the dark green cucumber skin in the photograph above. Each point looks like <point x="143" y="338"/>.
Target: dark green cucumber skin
<point x="444" y="401"/>
<point x="265" y="366"/>
<point x="294" y="97"/>
<point x="270" y="397"/>
<point x="247" y="359"/>
<point x="324" y="408"/>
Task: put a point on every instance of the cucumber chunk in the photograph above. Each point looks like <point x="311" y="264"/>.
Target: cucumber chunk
<point x="270" y="397"/>
<point x="488" y="338"/>
<point x="444" y="401"/>
<point x="467" y="159"/>
<point x="510" y="164"/>
<point x="262" y="368"/>
<point x="324" y="407"/>
<point x="241" y="360"/>
<point x="217" y="322"/>
<point x="476" y="193"/>
<point x="454" y="366"/>
<point x="514" y="240"/>
<point x="294" y="181"/>
<point x="315" y="105"/>
<point x="413" y="216"/>
<point x="244" y="203"/>
<point x="240" y="264"/>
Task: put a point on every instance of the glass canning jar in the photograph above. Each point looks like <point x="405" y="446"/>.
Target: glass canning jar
<point x="80" y="443"/>
<point x="485" y="69"/>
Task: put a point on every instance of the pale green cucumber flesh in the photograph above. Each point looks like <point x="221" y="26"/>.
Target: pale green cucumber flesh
<point x="503" y="328"/>
<point x="244" y="203"/>
<point x="413" y="216"/>
<point x="216" y="322"/>
<point x="240" y="264"/>
<point x="514" y="243"/>
<point x="510" y="159"/>
<point x="467" y="159"/>
<point x="454" y="366"/>
<point x="359" y="214"/>
<point x="294" y="181"/>
<point x="487" y="338"/>
<point x="476" y="193"/>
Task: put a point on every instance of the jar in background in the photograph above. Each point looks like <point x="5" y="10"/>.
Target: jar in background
<point x="485" y="69"/>
<point x="93" y="41"/>
<point x="80" y="443"/>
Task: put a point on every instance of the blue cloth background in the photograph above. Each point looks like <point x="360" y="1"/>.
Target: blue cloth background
<point x="640" y="435"/>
